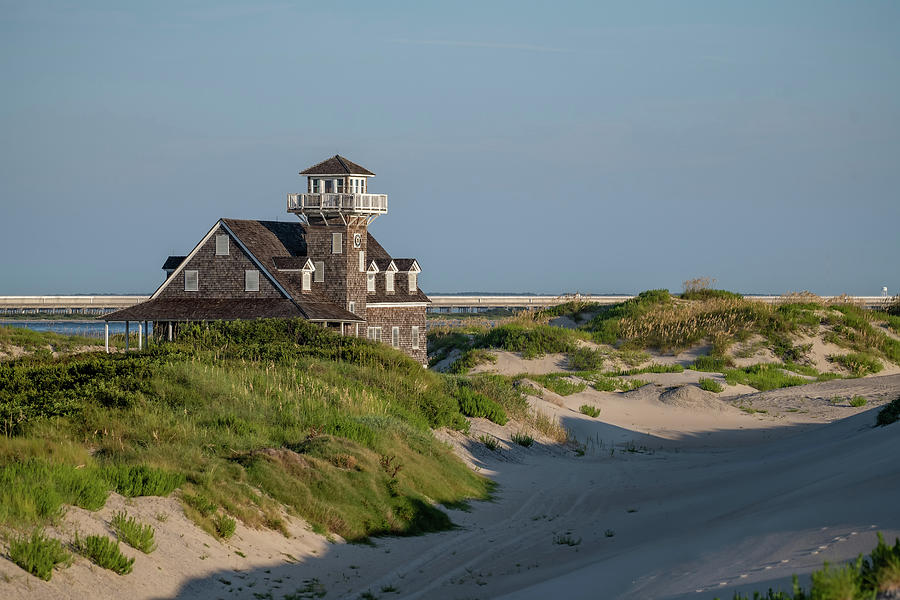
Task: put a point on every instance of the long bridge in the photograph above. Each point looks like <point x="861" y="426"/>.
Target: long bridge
<point x="39" y="306"/>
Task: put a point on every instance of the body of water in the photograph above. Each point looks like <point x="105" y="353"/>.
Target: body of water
<point x="85" y="328"/>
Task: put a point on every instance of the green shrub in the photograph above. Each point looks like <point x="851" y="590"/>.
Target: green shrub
<point x="200" y="503"/>
<point x="654" y="368"/>
<point x="471" y="358"/>
<point x="710" y="385"/>
<point x="532" y="341"/>
<point x="474" y="404"/>
<point x="141" y="480"/>
<point x="490" y="442"/>
<point x="38" y="554"/>
<point x="522" y="439"/>
<point x="710" y="364"/>
<point x="859" y="363"/>
<point x="133" y="533"/>
<point x="591" y="411"/>
<point x="706" y="294"/>
<point x="585" y="359"/>
<point x="889" y="413"/>
<point x="224" y="525"/>
<point x="857" y="401"/>
<point x="104" y="552"/>
<point x="559" y="383"/>
<point x="765" y="376"/>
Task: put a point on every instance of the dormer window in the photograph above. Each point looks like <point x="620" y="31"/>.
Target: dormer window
<point x="389" y="282"/>
<point x="370" y="282"/>
<point x="306" y="275"/>
<point x="412" y="283"/>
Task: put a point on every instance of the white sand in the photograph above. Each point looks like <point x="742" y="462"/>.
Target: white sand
<point x="701" y="498"/>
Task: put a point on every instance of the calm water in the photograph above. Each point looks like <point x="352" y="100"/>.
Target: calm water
<point x="85" y="328"/>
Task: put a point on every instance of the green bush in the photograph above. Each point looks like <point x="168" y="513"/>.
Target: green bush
<point x="654" y="368"/>
<point x="104" y="552"/>
<point x="471" y="358"/>
<point x="559" y="383"/>
<point x="889" y="413"/>
<point x="585" y="359"/>
<point x="857" y="401"/>
<point x="606" y="327"/>
<point x="522" y="439"/>
<point x="133" y="533"/>
<point x="474" y="404"/>
<point x="532" y="341"/>
<point x="38" y="554"/>
<point x="765" y="376"/>
<point x="707" y="294"/>
<point x="591" y="411"/>
<point x="225" y="526"/>
<point x="141" y="480"/>
<point x="710" y="364"/>
<point x="859" y="363"/>
<point x="710" y="385"/>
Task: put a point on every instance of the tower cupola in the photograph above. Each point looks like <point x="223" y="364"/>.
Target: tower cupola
<point x="337" y="189"/>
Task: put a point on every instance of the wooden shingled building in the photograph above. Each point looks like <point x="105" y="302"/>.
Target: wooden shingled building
<point x="326" y="268"/>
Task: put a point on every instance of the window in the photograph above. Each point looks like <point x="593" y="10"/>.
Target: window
<point x="337" y="240"/>
<point x="351" y="306"/>
<point x="307" y="281"/>
<point x="329" y="185"/>
<point x="221" y="245"/>
<point x="320" y="271"/>
<point x="362" y="261"/>
<point x="412" y="282"/>
<point x="251" y="280"/>
<point x="415" y="337"/>
<point x="389" y="282"/>
<point x="191" y="281"/>
<point x="316" y="186"/>
<point x="374" y="333"/>
<point x="395" y="337"/>
<point x="370" y="282"/>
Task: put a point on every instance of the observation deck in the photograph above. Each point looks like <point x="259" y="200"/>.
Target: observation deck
<point x="335" y="204"/>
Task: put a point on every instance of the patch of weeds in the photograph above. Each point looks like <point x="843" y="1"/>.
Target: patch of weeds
<point x="710" y="364"/>
<point x="559" y="383"/>
<point x="710" y="385"/>
<point x="476" y="404"/>
<point x="104" y="552"/>
<point x="566" y="540"/>
<point x="764" y="376"/>
<point x="490" y="442"/>
<point x="654" y="368"/>
<point x="522" y="439"/>
<point x="610" y="532"/>
<point x="224" y="525"/>
<point x="312" y="588"/>
<point x="591" y="411"/>
<point x="389" y="589"/>
<point x="200" y="503"/>
<point x="470" y="359"/>
<point x="858" y="363"/>
<point x="39" y="554"/>
<point x="857" y="401"/>
<point x="586" y="359"/>
<point x="133" y="533"/>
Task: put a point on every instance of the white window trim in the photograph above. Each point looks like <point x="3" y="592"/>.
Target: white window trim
<point x="351" y="306"/>
<point x="395" y="336"/>
<point x="319" y="271"/>
<point x="307" y="280"/>
<point x="412" y="277"/>
<point x="370" y="283"/>
<point x="414" y="332"/>
<point x="388" y="281"/>
<point x="362" y="261"/>
<point x="373" y="333"/>
<point x="337" y="243"/>
<point x="251" y="280"/>
<point x="196" y="275"/>
<point x="222" y="239"/>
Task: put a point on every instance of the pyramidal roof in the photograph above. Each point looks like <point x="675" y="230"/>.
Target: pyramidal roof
<point x="337" y="165"/>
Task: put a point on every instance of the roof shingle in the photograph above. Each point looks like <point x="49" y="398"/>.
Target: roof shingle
<point x="337" y="165"/>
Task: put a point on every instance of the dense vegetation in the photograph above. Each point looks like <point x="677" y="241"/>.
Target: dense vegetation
<point x="875" y="575"/>
<point x="248" y="419"/>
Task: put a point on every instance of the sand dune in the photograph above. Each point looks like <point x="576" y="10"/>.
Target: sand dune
<point x="677" y="495"/>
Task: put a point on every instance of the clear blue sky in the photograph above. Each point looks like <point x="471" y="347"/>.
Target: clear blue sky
<point x="545" y="147"/>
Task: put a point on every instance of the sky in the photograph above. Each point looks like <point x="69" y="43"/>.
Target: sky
<point x="546" y="147"/>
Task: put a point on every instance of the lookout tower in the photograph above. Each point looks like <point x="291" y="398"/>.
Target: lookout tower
<point x="337" y="193"/>
<point x="336" y="211"/>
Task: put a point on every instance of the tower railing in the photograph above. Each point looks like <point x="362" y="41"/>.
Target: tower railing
<point x="351" y="203"/>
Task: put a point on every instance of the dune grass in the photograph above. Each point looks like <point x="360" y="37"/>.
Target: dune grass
<point x="767" y="376"/>
<point x="39" y="554"/>
<point x="858" y="363"/>
<point x="710" y="385"/>
<point x="42" y="341"/>
<point x="591" y="411"/>
<point x="559" y="383"/>
<point x="137" y="535"/>
<point x="104" y="552"/>
<point x="254" y="417"/>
